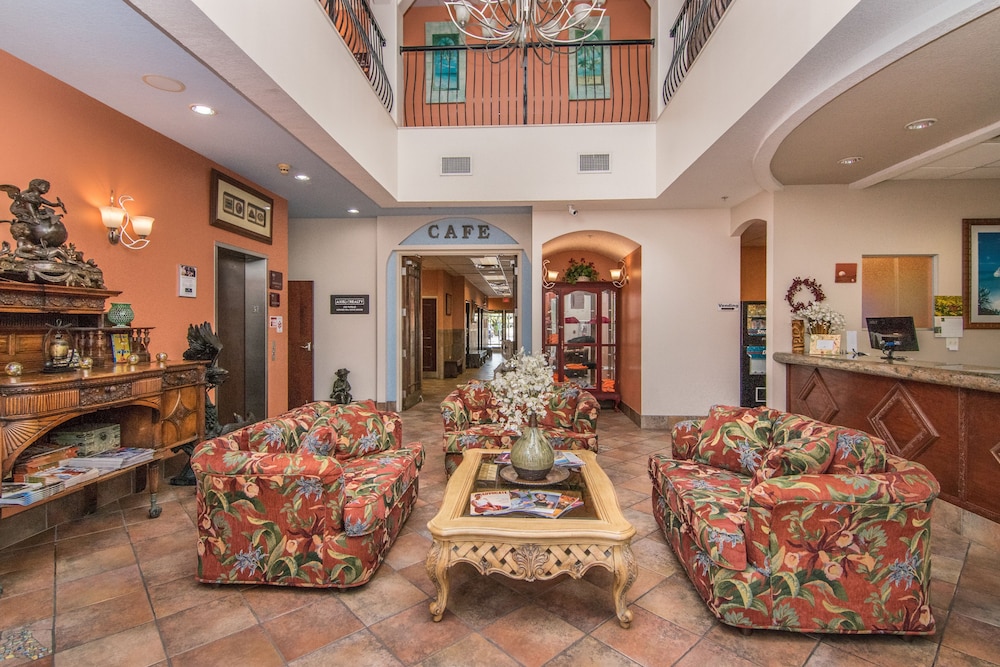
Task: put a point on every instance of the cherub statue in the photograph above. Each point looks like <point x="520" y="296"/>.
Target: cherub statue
<point x="35" y="220"/>
<point x="341" y="388"/>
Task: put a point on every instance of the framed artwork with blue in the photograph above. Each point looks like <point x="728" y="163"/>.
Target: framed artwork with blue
<point x="981" y="273"/>
<point x="589" y="65"/>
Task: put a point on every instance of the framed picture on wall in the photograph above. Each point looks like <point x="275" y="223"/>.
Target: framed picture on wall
<point x="240" y="209"/>
<point x="981" y="273"/>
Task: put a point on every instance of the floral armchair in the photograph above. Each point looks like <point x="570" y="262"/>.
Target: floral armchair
<point x="471" y="417"/>
<point x="314" y="497"/>
<point x="786" y="523"/>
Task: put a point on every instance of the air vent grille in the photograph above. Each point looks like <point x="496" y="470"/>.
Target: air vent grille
<point x="595" y="163"/>
<point x="456" y="166"/>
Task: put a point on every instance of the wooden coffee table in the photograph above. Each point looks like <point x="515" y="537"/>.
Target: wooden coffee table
<point x="529" y="548"/>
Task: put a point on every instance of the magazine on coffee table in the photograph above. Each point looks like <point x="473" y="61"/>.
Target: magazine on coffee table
<point x="551" y="504"/>
<point x="563" y="459"/>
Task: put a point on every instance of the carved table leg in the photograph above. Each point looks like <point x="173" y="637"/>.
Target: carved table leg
<point x="626" y="572"/>
<point x="153" y="470"/>
<point x="437" y="570"/>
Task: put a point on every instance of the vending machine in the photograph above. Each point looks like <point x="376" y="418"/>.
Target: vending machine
<point x="753" y="354"/>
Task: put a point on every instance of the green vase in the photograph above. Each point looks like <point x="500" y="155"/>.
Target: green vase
<point x="532" y="456"/>
<point x="120" y="314"/>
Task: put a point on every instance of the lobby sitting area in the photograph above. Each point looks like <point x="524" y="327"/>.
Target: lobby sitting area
<point x="787" y="523"/>
<point x="314" y="497"/>
<point x="471" y="421"/>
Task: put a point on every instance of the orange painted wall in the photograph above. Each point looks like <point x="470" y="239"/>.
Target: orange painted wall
<point x="630" y="332"/>
<point x="560" y="262"/>
<point x="753" y="273"/>
<point x="86" y="149"/>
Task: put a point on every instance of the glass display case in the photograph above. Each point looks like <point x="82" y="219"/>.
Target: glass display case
<point x="581" y="336"/>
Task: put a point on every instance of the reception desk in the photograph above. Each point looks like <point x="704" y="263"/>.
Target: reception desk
<point x="946" y="416"/>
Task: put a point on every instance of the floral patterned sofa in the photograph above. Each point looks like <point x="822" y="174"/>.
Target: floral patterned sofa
<point x="787" y="523"/>
<point x="314" y="497"/>
<point x="470" y="417"/>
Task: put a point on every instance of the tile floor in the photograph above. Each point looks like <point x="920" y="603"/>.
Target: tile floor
<point x="116" y="589"/>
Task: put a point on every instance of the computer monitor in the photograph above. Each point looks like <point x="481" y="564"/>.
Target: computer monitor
<point x="897" y="330"/>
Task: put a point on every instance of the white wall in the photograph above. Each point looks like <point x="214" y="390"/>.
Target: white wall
<point x="339" y="257"/>
<point x="815" y="227"/>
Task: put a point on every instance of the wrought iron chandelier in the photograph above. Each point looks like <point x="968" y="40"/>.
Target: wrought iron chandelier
<point x="523" y="23"/>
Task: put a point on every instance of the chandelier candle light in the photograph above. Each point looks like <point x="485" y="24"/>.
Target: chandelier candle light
<point x="522" y="392"/>
<point x="526" y="22"/>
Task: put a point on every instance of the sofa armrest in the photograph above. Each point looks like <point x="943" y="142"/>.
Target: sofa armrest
<point x="454" y="413"/>
<point x="684" y="437"/>
<point x="587" y="409"/>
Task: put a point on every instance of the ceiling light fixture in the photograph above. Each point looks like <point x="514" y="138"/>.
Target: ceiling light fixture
<point x="854" y="159"/>
<point x="301" y="177"/>
<point x="353" y="211"/>
<point x="524" y="23"/>
<point x="164" y="83"/>
<point x="202" y="109"/>
<point x="921" y="124"/>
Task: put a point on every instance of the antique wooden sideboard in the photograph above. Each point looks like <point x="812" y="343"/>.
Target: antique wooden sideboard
<point x="944" y="416"/>
<point x="158" y="405"/>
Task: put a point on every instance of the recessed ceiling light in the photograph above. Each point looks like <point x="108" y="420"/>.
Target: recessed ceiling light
<point x="353" y="211"/>
<point x="164" y="83"/>
<point x="921" y="124"/>
<point x="203" y="109"/>
<point x="301" y="177"/>
<point x="854" y="159"/>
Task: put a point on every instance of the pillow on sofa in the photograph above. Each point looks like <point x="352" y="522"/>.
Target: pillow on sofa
<point x="790" y="426"/>
<point x="735" y="438"/>
<point x="857" y="453"/>
<point x="480" y="404"/>
<point x="805" y="456"/>
<point x="348" y="431"/>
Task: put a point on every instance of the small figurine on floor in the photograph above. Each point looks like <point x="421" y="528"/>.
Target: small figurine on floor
<point x="341" y="388"/>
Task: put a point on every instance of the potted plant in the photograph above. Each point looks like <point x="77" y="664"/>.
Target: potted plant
<point x="522" y="393"/>
<point x="582" y="270"/>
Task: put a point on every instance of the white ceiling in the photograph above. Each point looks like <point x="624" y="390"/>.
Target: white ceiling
<point x="105" y="47"/>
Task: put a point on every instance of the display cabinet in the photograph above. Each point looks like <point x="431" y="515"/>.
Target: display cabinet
<point x="581" y="336"/>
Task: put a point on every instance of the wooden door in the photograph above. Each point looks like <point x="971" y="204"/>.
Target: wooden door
<point x="428" y="335"/>
<point x="410" y="333"/>
<point x="300" y="343"/>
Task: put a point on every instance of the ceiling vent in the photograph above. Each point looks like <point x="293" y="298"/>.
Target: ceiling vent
<point x="595" y="163"/>
<point x="456" y="166"/>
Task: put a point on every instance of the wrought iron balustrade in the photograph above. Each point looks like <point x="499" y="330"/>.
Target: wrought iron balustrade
<point x="598" y="82"/>
<point x="355" y="22"/>
<point x="691" y="30"/>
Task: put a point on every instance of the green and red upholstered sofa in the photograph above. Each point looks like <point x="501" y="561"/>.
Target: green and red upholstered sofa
<point x="314" y="497"/>
<point x="787" y="523"/>
<point x="470" y="416"/>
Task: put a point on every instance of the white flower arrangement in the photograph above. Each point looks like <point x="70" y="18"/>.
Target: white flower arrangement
<point x="817" y="313"/>
<point x="522" y="389"/>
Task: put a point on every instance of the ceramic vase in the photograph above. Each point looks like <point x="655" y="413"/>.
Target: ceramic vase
<point x="532" y="456"/>
<point x="121" y="314"/>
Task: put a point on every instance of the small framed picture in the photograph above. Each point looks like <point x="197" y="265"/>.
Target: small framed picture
<point x="274" y="299"/>
<point x="824" y="344"/>
<point x="121" y="347"/>
<point x="187" y="281"/>
<point x="239" y="208"/>
<point x="275" y="280"/>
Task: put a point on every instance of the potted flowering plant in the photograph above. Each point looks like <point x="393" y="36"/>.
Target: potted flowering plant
<point x="582" y="270"/>
<point x="522" y="392"/>
<point x="822" y="319"/>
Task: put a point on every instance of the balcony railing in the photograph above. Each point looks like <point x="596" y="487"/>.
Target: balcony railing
<point x="600" y="82"/>
<point x="695" y="23"/>
<point x="355" y="22"/>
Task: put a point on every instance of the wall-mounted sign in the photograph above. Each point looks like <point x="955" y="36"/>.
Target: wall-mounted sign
<point x="354" y="304"/>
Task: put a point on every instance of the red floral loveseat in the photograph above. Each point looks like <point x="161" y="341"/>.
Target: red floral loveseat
<point x="314" y="497"/>
<point x="787" y="523"/>
<point x="470" y="415"/>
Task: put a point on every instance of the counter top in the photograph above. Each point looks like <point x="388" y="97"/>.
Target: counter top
<point x="966" y="376"/>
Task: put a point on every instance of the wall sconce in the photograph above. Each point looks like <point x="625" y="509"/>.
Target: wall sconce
<point x="118" y="221"/>
<point x="618" y="275"/>
<point x="549" y="277"/>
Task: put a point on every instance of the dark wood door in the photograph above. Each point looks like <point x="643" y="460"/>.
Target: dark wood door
<point x="410" y="334"/>
<point x="428" y="335"/>
<point x="300" y="343"/>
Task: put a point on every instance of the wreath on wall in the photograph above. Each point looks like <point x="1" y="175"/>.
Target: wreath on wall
<point x="798" y="284"/>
